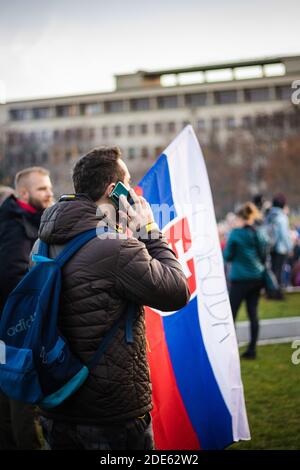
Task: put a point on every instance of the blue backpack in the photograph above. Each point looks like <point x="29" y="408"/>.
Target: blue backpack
<point x="39" y="366"/>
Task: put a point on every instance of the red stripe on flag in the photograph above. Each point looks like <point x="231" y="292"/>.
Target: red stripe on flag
<point x="171" y="425"/>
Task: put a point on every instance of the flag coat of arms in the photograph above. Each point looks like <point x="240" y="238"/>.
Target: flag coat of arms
<point x="193" y="354"/>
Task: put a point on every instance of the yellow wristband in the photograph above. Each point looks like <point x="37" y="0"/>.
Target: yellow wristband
<point x="150" y="226"/>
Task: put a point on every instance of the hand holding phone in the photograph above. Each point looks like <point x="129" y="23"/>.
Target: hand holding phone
<point x="137" y="215"/>
<point x="119" y="190"/>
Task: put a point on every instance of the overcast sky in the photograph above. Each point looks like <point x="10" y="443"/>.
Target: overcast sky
<point x="58" y="47"/>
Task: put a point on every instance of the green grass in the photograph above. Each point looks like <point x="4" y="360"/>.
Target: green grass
<point x="272" y="386"/>
<point x="290" y="307"/>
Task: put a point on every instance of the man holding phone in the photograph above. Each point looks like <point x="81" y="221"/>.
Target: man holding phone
<point x="111" y="410"/>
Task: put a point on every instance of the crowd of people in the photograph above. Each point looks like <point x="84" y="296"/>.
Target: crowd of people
<point x="256" y="240"/>
<point x="261" y="251"/>
<point x="273" y="217"/>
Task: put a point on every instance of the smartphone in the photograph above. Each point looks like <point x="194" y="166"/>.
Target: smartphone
<point x="119" y="190"/>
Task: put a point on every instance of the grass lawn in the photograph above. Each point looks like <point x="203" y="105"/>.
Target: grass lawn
<point x="290" y="307"/>
<point x="272" y="391"/>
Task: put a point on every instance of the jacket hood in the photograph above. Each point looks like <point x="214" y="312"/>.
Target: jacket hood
<point x="67" y="218"/>
<point x="275" y="210"/>
<point x="10" y="209"/>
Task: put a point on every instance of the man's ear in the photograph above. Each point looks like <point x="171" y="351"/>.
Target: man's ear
<point x="109" y="189"/>
<point x="23" y="194"/>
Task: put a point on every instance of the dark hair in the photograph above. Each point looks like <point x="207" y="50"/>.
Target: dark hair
<point x="96" y="170"/>
<point x="258" y="200"/>
<point x="248" y="210"/>
<point x="279" y="200"/>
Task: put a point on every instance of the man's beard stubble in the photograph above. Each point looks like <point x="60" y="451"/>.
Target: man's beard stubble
<point x="36" y="204"/>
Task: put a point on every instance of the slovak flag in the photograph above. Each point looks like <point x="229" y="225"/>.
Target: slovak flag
<point x="193" y="354"/>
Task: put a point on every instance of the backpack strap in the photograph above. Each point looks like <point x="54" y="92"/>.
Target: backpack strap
<point x="42" y="249"/>
<point x="131" y="313"/>
<point x="74" y="245"/>
<point x="70" y="249"/>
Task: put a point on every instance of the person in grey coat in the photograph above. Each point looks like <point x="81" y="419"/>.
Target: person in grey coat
<point x="277" y="224"/>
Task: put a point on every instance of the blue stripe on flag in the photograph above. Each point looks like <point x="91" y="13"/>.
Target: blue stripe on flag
<point x="156" y="186"/>
<point x="196" y="382"/>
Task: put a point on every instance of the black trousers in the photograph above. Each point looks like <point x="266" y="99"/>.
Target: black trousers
<point x="134" y="434"/>
<point x="19" y="428"/>
<point x="250" y="292"/>
<point x="277" y="262"/>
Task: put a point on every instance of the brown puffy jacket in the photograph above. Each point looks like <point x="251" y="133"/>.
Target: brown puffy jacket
<point x="98" y="282"/>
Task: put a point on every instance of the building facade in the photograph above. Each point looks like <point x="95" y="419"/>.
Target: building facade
<point x="145" y="112"/>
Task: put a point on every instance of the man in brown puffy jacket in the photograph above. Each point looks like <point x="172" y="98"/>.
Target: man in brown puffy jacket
<point x="112" y="408"/>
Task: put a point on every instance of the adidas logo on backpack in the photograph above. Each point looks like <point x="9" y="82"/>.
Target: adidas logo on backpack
<point x="22" y="325"/>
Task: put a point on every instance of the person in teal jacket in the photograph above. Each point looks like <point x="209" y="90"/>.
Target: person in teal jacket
<point x="246" y="250"/>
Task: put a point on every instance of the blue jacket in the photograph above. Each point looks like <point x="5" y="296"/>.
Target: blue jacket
<point x="276" y="218"/>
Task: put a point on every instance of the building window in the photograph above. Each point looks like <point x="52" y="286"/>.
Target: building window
<point x="171" y="126"/>
<point x="278" y="120"/>
<point x="57" y="135"/>
<point x="14" y="114"/>
<point x="33" y="158"/>
<point x="117" y="131"/>
<point x="283" y="92"/>
<point x="215" y="123"/>
<point x="144" y="129"/>
<point x="17" y="138"/>
<point x="185" y="123"/>
<point x="79" y="133"/>
<point x="200" y="125"/>
<point x="46" y="136"/>
<point x="247" y="122"/>
<point x="131" y="153"/>
<point x="257" y="94"/>
<point x="90" y="109"/>
<point x="140" y="104"/>
<point x="294" y="120"/>
<point x="12" y="138"/>
<point x="27" y="114"/>
<point x="41" y="113"/>
<point x="68" y="135"/>
<point x="104" y="131"/>
<point x="166" y="102"/>
<point x="261" y="120"/>
<point x="230" y="122"/>
<point x="131" y="129"/>
<point x="44" y="157"/>
<point x="196" y="99"/>
<point x="144" y="152"/>
<point x="114" y="106"/>
<point x="63" y="111"/>
<point x="32" y="137"/>
<point x="20" y="114"/>
<point x="225" y="97"/>
<point x="158" y="128"/>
